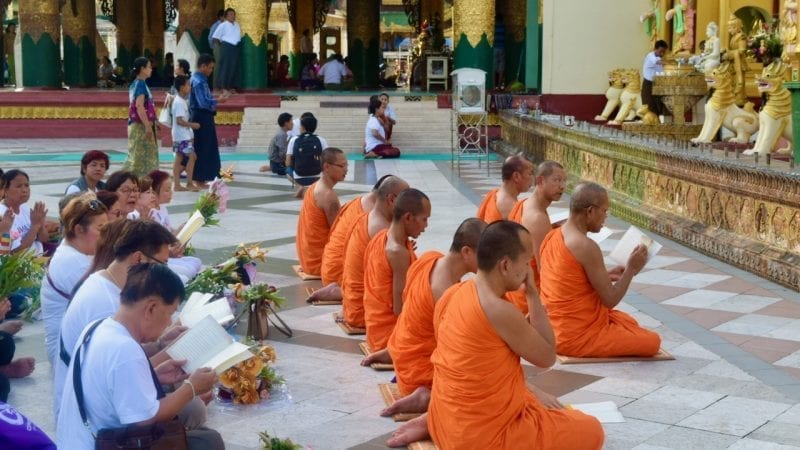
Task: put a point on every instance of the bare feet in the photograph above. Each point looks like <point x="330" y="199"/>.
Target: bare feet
<point x="11" y="326"/>
<point x="179" y="188"/>
<point x="200" y="185"/>
<point x="19" y="368"/>
<point x="370" y="155"/>
<point x="381" y="356"/>
<point x="328" y="293"/>
<point x="417" y="402"/>
<point x="264" y="168"/>
<point x="412" y="431"/>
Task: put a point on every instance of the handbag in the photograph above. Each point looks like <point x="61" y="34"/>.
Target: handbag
<point x="156" y="436"/>
<point x="165" y="116"/>
<point x="259" y="317"/>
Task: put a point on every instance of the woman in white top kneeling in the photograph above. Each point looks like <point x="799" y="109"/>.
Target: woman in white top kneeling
<point x="376" y="144"/>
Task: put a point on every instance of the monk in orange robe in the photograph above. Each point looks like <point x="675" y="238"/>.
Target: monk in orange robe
<point x="365" y="228"/>
<point x="551" y="180"/>
<point x="517" y="177"/>
<point x="333" y="255"/>
<point x="479" y="398"/>
<point x="387" y="258"/>
<point x="580" y="294"/>
<point x="320" y="207"/>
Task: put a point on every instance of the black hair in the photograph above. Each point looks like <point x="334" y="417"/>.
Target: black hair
<point x="468" y="234"/>
<point x="283" y="118"/>
<point x="498" y="240"/>
<point x="116" y="179"/>
<point x="309" y="124"/>
<point x="184" y="65"/>
<point x="7" y="177"/>
<point x="138" y="64"/>
<point x="220" y="13"/>
<point x="661" y="44"/>
<point x="409" y="201"/>
<point x="143" y="236"/>
<point x="374" y="104"/>
<point x="204" y="60"/>
<point x="180" y="80"/>
<point x="147" y="280"/>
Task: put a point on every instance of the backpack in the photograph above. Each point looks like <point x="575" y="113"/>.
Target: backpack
<point x="306" y="155"/>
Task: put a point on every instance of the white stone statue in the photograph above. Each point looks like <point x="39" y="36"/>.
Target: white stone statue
<point x="710" y="57"/>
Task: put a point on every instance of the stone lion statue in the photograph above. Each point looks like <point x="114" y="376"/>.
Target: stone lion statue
<point x="721" y="109"/>
<point x="631" y="97"/>
<point x="775" y="118"/>
<point x="613" y="94"/>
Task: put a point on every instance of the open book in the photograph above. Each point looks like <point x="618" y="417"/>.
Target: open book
<point x="605" y="412"/>
<point x="629" y="241"/>
<point x="198" y="306"/>
<point x="207" y="344"/>
<point x="190" y="227"/>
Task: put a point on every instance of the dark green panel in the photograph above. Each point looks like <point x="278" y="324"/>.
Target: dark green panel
<point x="41" y="62"/>
<point x="480" y="57"/>
<point x="515" y="61"/>
<point x="126" y="57"/>
<point x="364" y="62"/>
<point x="295" y="61"/>
<point x="533" y="48"/>
<point x="80" y="61"/>
<point x="253" y="63"/>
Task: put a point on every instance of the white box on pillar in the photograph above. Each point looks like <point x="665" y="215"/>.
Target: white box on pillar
<point x="469" y="90"/>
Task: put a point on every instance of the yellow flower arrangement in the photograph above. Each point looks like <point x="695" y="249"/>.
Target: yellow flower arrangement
<point x="250" y="381"/>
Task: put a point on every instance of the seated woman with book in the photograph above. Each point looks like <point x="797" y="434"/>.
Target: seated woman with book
<point x="126" y="185"/>
<point x="118" y="384"/>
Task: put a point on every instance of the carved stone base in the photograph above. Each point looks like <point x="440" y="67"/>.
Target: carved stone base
<point x="671" y="130"/>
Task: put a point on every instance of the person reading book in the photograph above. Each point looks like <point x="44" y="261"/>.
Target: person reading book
<point x="479" y="397"/>
<point x="319" y="210"/>
<point x="580" y="293"/>
<point x="119" y="385"/>
<point x="531" y="213"/>
<point x="386" y="261"/>
<point x="517" y="174"/>
<point x="366" y="227"/>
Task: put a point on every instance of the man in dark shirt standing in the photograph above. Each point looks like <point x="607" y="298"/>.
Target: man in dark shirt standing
<point x="203" y="108"/>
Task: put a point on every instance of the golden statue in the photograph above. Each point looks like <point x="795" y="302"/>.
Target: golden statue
<point x="682" y="18"/>
<point x="788" y="28"/>
<point x="775" y="118"/>
<point x="735" y="53"/>
<point x="652" y="21"/>
<point x="720" y="110"/>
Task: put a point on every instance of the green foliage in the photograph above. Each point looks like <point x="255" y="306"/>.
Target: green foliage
<point x="268" y="374"/>
<point x="274" y="443"/>
<point x="208" y="205"/>
<point x="20" y="270"/>
<point x="262" y="291"/>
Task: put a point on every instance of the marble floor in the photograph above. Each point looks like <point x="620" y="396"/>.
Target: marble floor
<point x="735" y="382"/>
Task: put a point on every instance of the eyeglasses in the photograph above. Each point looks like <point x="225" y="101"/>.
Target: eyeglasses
<point x="153" y="258"/>
<point x="129" y="191"/>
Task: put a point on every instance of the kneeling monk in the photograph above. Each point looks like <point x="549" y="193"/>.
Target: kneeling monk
<point x="517" y="175"/>
<point x="386" y="261"/>
<point x="320" y="207"/>
<point x="579" y="292"/>
<point x="479" y="397"/>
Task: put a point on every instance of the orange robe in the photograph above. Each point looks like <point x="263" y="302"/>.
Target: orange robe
<point x="412" y="340"/>
<point x="516" y="216"/>
<point x="312" y="233"/>
<point x="583" y="326"/>
<point x="353" y="273"/>
<point x="480" y="398"/>
<point x="487" y="211"/>
<point x="378" y="289"/>
<point x="333" y="256"/>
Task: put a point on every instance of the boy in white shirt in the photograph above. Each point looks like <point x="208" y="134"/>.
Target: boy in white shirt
<point x="182" y="136"/>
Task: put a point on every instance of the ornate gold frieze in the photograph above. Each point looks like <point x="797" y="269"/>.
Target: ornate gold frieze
<point x="153" y="25"/>
<point x="39" y="17"/>
<point x="79" y="21"/>
<point x="252" y="18"/>
<point x="129" y="24"/>
<point x="363" y="21"/>
<point x="745" y="215"/>
<point x="473" y="18"/>
<point x="94" y="112"/>
<point x="196" y="16"/>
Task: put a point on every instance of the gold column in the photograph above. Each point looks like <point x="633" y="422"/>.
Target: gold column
<point x="197" y="20"/>
<point x="473" y="36"/>
<point x="40" y="25"/>
<point x="153" y="16"/>
<point x="252" y="18"/>
<point x="303" y="19"/>
<point x="129" y="31"/>
<point x="722" y="21"/>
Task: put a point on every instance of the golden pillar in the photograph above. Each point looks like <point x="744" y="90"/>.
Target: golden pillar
<point x="724" y="14"/>
<point x="301" y="18"/>
<point x="473" y="36"/>
<point x="40" y="24"/>
<point x="252" y="18"/>
<point x="153" y="17"/>
<point x="363" y="41"/>
<point x="129" y="32"/>
<point x="195" y="19"/>
<point x="80" y="53"/>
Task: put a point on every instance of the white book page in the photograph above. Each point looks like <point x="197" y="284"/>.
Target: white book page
<point x="629" y="241"/>
<point x="199" y="344"/>
<point x="601" y="235"/>
<point x="233" y="354"/>
<point x="195" y="300"/>
<point x="190" y="227"/>
<point x="605" y="412"/>
<point x="558" y="216"/>
<point x="218" y="309"/>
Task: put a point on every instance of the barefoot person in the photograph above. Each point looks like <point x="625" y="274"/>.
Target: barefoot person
<point x="365" y="228"/>
<point x="517" y="178"/>
<point x="551" y="180"/>
<point x="386" y="261"/>
<point x="412" y="341"/>
<point x="333" y="255"/>
<point x="479" y="397"/>
<point x="10" y="367"/>
<point x="580" y="294"/>
<point x="319" y="210"/>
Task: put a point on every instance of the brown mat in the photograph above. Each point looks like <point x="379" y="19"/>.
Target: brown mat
<point x="662" y="355"/>
<point x="375" y="366"/>
<point x="304" y="276"/>
<point x="391" y="394"/>
<point x="422" y="445"/>
<point x="310" y="292"/>
<point x="352" y="331"/>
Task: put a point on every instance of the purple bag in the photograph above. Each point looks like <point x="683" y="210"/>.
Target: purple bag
<point x="18" y="432"/>
<point x="149" y="107"/>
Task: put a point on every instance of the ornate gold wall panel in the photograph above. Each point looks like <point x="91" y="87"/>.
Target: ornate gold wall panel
<point x="153" y="26"/>
<point x="196" y="16"/>
<point x="80" y="21"/>
<point x="304" y="19"/>
<point x="129" y="24"/>
<point x="39" y="17"/>
<point x="745" y="215"/>
<point x="474" y="18"/>
<point x="94" y="112"/>
<point x="252" y="19"/>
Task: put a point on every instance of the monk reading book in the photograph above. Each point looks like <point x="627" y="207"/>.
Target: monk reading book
<point x="517" y="178"/>
<point x="333" y="255"/>
<point x="320" y="207"/>
<point x="387" y="258"/>
<point x="479" y="397"/>
<point x="580" y="294"/>
<point x="365" y="228"/>
<point x="551" y="180"/>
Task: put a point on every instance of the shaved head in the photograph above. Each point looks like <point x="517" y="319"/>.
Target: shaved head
<point x="514" y="164"/>
<point x="330" y="155"/>
<point x="380" y="181"/>
<point x="546" y="168"/>
<point x="392" y="185"/>
<point x="468" y="234"/>
<point x="500" y="239"/>
<point x="586" y="194"/>
<point x="410" y="201"/>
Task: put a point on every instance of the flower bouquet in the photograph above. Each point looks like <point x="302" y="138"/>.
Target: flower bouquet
<point x="274" y="443"/>
<point x="239" y="268"/>
<point x="251" y="380"/>
<point x="215" y="200"/>
<point x="22" y="271"/>
<point x="259" y="300"/>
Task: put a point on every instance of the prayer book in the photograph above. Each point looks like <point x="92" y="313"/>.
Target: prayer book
<point x="207" y="344"/>
<point x="629" y="241"/>
<point x="198" y="306"/>
<point x="605" y="412"/>
<point x="190" y="227"/>
<point x="556" y="217"/>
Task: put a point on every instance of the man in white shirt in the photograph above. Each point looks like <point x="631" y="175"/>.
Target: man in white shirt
<point x="228" y="35"/>
<point x="652" y="66"/>
<point x="334" y="74"/>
